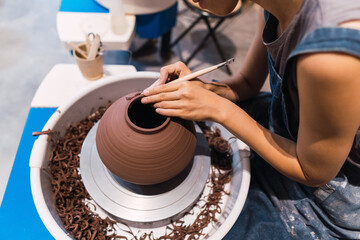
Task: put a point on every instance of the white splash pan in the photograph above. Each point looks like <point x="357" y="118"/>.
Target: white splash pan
<point x="85" y="103"/>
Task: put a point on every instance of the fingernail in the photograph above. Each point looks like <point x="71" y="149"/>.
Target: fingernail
<point x="145" y="92"/>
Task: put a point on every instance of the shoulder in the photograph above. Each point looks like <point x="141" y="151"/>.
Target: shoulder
<point x="329" y="66"/>
<point x="330" y="74"/>
<point x="328" y="87"/>
<point x="343" y="39"/>
<point x="353" y="24"/>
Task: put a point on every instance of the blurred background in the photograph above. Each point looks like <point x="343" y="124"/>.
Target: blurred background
<point x="30" y="47"/>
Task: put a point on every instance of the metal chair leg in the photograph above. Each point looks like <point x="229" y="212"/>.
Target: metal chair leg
<point x="185" y="32"/>
<point x="205" y="39"/>
<point x="165" y="42"/>
<point x="211" y="33"/>
<point x="217" y="45"/>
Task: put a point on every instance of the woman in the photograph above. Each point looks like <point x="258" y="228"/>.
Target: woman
<point x="306" y="166"/>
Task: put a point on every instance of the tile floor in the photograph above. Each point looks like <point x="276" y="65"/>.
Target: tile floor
<point x="30" y="47"/>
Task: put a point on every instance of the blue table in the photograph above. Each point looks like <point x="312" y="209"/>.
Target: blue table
<point x="18" y="216"/>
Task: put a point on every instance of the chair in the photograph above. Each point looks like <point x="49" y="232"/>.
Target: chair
<point x="205" y="16"/>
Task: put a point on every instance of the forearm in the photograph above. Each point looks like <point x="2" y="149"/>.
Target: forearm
<point x="230" y="89"/>
<point x="276" y="150"/>
<point x="242" y="87"/>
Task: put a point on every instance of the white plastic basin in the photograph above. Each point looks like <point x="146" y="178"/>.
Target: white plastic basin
<point x="86" y="102"/>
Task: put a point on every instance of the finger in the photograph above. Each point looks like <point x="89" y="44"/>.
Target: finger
<point x="169" y="112"/>
<point x="154" y="84"/>
<point x="173" y="71"/>
<point x="175" y="104"/>
<point x="182" y="69"/>
<point x="168" y="72"/>
<point x="160" y="89"/>
<point x="160" y="97"/>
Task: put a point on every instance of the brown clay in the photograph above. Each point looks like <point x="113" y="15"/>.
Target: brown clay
<point x="142" y="147"/>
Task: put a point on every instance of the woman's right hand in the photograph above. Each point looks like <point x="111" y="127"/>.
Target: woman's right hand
<point x="179" y="69"/>
<point x="171" y="72"/>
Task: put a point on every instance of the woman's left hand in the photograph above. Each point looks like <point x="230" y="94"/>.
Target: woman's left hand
<point x="189" y="100"/>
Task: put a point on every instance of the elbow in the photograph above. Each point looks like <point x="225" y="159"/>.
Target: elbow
<point x="315" y="178"/>
<point x="316" y="181"/>
<point x="315" y="173"/>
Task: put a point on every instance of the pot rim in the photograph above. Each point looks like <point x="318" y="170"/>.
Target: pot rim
<point x="131" y="101"/>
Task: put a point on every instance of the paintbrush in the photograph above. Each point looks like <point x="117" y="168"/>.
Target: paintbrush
<point x="202" y="72"/>
<point x="199" y="73"/>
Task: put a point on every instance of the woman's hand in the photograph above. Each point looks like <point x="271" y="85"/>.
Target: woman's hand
<point x="189" y="100"/>
<point x="171" y="72"/>
<point x="179" y="69"/>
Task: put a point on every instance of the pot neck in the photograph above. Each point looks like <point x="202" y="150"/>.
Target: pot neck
<point x="143" y="118"/>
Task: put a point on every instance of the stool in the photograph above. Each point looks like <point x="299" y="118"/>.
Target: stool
<point x="205" y="16"/>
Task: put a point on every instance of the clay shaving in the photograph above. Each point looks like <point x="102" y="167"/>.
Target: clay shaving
<point x="43" y="132"/>
<point x="78" y="217"/>
<point x="219" y="148"/>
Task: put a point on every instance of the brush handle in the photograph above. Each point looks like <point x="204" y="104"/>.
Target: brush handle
<point x="202" y="72"/>
<point x="194" y="74"/>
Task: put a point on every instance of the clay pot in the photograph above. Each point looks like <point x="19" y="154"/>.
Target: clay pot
<point x="142" y="147"/>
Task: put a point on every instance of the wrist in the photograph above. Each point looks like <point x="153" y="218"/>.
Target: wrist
<point x="221" y="113"/>
<point x="216" y="87"/>
<point x="222" y="90"/>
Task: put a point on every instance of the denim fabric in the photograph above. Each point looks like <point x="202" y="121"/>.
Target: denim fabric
<point x="334" y="39"/>
<point x="278" y="121"/>
<point x="279" y="208"/>
<point x="259" y="218"/>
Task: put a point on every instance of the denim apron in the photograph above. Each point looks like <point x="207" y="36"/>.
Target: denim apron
<point x="279" y="208"/>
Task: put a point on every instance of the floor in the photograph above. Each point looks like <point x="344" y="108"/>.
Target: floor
<point x="30" y="47"/>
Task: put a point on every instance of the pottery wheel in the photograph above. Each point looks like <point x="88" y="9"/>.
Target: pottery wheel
<point x="139" y="205"/>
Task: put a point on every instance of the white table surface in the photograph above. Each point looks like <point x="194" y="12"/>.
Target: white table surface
<point x="74" y="26"/>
